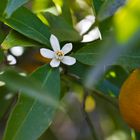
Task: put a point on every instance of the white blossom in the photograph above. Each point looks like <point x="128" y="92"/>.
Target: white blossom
<point x="58" y="55"/>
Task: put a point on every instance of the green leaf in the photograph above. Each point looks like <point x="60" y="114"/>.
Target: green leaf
<point x="66" y="13"/>
<point x="1" y="55"/>
<point x="91" y="54"/>
<point x="15" y="39"/>
<point x="3" y="4"/>
<point x="29" y="25"/>
<point x="97" y="5"/>
<point x="5" y="100"/>
<point x="61" y="28"/>
<point x="112" y="81"/>
<point x="2" y="32"/>
<point x="31" y="118"/>
<point x="108" y="8"/>
<point x="28" y="85"/>
<point x="79" y="69"/>
<point x="13" y="5"/>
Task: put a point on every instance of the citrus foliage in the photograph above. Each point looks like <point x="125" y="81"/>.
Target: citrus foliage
<point x="35" y="98"/>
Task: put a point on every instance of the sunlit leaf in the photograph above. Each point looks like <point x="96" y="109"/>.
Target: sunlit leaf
<point x="29" y="25"/>
<point x="40" y="5"/>
<point x="15" y="39"/>
<point x="127" y="20"/>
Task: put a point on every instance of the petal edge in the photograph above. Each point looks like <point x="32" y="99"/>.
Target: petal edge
<point x="54" y="43"/>
<point x="67" y="48"/>
<point x="54" y="63"/>
<point x="46" y="53"/>
<point x="68" y="60"/>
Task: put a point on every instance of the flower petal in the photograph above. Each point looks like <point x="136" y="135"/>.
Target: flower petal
<point x="54" y="43"/>
<point x="68" y="60"/>
<point x="46" y="53"/>
<point x="55" y="63"/>
<point x="67" y="48"/>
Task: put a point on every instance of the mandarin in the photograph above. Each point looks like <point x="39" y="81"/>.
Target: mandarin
<point x="129" y="100"/>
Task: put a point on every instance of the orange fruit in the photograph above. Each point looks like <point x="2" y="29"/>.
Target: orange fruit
<point x="129" y="100"/>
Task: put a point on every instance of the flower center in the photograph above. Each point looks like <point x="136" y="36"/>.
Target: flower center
<point x="59" y="55"/>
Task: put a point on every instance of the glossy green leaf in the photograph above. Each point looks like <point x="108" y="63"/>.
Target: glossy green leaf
<point x="13" y="5"/>
<point x="15" y="39"/>
<point x="61" y="28"/>
<point x="91" y="54"/>
<point x="28" y="85"/>
<point x="108" y="8"/>
<point x="25" y="22"/>
<point x="31" y="118"/>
